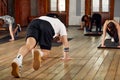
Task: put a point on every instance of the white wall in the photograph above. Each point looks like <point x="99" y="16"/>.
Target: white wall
<point x="73" y="19"/>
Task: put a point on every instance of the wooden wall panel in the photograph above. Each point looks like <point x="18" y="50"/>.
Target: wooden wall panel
<point x="88" y="7"/>
<point x="22" y="11"/>
<point x="112" y="9"/>
<point x="17" y="11"/>
<point x="42" y="7"/>
<point x="3" y="7"/>
<point x="67" y="12"/>
<point x="25" y="11"/>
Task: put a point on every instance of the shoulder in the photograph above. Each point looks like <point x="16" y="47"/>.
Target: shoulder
<point x="105" y="25"/>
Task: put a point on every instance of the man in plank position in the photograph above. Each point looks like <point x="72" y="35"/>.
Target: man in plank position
<point x="8" y="21"/>
<point x="41" y="30"/>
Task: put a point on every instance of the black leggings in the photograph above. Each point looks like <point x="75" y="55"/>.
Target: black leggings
<point x="115" y="35"/>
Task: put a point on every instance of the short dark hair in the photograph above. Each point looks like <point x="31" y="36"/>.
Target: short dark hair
<point x="52" y="15"/>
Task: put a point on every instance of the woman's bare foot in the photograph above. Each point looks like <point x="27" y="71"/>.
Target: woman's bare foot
<point x="66" y="58"/>
<point x="11" y="40"/>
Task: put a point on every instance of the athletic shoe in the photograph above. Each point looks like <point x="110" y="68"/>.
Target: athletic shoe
<point x="36" y="59"/>
<point x="16" y="67"/>
<point x="19" y="28"/>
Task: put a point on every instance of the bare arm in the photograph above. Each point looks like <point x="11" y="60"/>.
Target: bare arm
<point x="104" y="33"/>
<point x="118" y="28"/>
<point x="65" y="46"/>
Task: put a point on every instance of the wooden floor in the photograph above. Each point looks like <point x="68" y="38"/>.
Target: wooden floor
<point x="88" y="63"/>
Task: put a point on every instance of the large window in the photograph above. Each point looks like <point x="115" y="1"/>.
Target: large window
<point x="100" y="5"/>
<point x="53" y="5"/>
<point x="57" y="5"/>
<point x="96" y="5"/>
<point x="105" y="5"/>
<point x="61" y="6"/>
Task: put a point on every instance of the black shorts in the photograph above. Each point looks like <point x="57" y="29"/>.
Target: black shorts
<point x="42" y="31"/>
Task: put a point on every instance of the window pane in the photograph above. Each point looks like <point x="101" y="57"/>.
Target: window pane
<point x="105" y="5"/>
<point x="61" y="5"/>
<point x="96" y="5"/>
<point x="53" y="5"/>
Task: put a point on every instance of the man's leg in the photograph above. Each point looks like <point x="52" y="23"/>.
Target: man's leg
<point x="24" y="50"/>
<point x="17" y="30"/>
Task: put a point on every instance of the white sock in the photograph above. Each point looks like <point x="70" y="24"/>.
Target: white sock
<point x="41" y="53"/>
<point x="20" y="57"/>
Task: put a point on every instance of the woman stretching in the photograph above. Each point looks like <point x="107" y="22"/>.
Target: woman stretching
<point x="113" y="29"/>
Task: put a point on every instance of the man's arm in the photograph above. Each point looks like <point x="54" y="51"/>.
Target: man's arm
<point x="65" y="47"/>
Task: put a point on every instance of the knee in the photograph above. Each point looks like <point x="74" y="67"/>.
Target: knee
<point x="30" y="43"/>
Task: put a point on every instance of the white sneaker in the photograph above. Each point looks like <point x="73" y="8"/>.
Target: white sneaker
<point x="36" y="59"/>
<point x="16" y="67"/>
